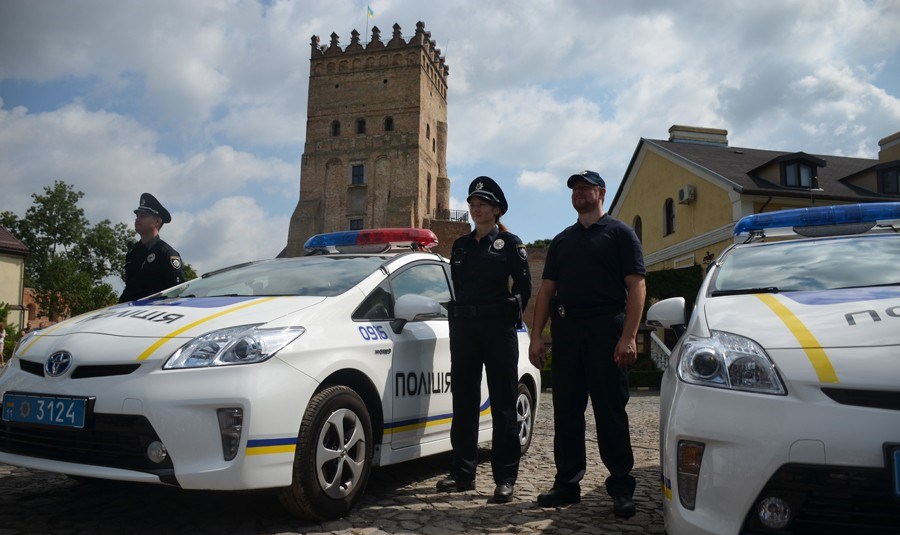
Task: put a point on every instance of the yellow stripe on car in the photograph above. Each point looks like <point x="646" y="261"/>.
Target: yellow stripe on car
<point x="808" y="342"/>
<point x="149" y="351"/>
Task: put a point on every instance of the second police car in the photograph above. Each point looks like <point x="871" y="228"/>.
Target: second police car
<point x="780" y="403"/>
<point x="299" y="373"/>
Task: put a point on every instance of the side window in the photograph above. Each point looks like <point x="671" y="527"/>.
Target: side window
<point x="378" y="306"/>
<point x="429" y="280"/>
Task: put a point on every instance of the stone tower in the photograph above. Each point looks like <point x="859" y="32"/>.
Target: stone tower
<point x="376" y="139"/>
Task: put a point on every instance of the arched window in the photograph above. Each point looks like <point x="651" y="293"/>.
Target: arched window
<point x="360" y="126"/>
<point x="388" y="124"/>
<point x="668" y="217"/>
<point x="638" y="228"/>
<point x="335" y="128"/>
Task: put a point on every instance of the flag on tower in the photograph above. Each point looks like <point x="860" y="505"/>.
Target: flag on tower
<point x="370" y="12"/>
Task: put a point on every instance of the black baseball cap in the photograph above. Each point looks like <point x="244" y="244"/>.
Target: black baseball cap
<point x="590" y="177"/>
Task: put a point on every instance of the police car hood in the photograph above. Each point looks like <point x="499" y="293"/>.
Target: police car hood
<point x="140" y="327"/>
<point x="848" y="318"/>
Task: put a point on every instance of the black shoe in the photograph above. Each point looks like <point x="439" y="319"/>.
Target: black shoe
<point x="452" y="485"/>
<point x="503" y="493"/>
<point x="623" y="507"/>
<point x="559" y="496"/>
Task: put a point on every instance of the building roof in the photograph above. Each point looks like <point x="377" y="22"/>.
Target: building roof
<point x="10" y="244"/>
<point x="737" y="166"/>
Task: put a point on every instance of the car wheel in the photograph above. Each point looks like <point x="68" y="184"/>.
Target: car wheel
<point x="333" y="457"/>
<point x="525" y="417"/>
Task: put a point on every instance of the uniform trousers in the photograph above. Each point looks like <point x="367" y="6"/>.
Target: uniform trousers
<point x="583" y="366"/>
<point x="490" y="343"/>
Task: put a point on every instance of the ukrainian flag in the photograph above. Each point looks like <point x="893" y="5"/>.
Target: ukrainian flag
<point x="370" y="12"/>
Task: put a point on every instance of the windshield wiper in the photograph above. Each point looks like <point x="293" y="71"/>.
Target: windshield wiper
<point x="876" y="285"/>
<point x="742" y="291"/>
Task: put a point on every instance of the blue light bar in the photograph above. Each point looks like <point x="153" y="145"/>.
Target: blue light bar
<point x="819" y="216"/>
<point x="371" y="240"/>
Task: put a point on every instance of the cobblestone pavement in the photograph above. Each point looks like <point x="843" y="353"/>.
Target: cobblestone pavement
<point x="399" y="500"/>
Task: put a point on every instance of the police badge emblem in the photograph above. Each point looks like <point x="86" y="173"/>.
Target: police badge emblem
<point x="499" y="244"/>
<point x="176" y="261"/>
<point x="151" y="257"/>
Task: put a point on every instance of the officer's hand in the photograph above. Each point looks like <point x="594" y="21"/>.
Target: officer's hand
<point x="626" y="352"/>
<point x="536" y="353"/>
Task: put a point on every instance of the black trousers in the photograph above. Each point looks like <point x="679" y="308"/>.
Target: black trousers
<point x="490" y="343"/>
<point x="583" y="366"/>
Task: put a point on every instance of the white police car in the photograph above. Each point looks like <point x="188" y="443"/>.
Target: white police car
<point x="780" y="404"/>
<point x="299" y="373"/>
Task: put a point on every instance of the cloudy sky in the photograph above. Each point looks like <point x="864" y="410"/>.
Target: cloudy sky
<point x="203" y="102"/>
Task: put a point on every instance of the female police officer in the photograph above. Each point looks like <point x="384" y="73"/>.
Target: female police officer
<point x="483" y="322"/>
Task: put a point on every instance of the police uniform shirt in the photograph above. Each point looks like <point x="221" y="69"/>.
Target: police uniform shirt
<point x="481" y="268"/>
<point x="150" y="268"/>
<point x="589" y="265"/>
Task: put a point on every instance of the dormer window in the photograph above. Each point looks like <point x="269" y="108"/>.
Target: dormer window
<point x="798" y="174"/>
<point x="889" y="180"/>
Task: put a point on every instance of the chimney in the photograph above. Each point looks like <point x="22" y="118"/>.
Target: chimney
<point x="695" y="134"/>
<point x="889" y="148"/>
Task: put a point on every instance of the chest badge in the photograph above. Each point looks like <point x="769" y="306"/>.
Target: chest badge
<point x="151" y="257"/>
<point x="499" y="244"/>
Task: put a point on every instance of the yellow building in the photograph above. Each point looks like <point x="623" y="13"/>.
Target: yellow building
<point x="684" y="195"/>
<point x="12" y="276"/>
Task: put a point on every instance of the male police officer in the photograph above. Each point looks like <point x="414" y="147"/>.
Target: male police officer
<point x="593" y="285"/>
<point x="151" y="265"/>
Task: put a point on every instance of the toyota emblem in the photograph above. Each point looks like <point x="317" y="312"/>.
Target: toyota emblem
<point x="58" y="363"/>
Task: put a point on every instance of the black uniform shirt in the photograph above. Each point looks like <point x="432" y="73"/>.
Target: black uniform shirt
<point x="589" y="265"/>
<point x="481" y="269"/>
<point x="150" y="268"/>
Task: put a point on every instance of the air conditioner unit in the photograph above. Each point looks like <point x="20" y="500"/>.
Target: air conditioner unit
<point x="687" y="194"/>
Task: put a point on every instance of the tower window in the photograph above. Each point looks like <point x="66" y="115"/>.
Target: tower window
<point x="356" y="223"/>
<point x="360" y="126"/>
<point x="427" y="131"/>
<point x="668" y="217"/>
<point x="388" y="124"/>
<point x="335" y="128"/>
<point x="357" y="174"/>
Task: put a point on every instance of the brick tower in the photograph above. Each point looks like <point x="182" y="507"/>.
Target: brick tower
<point x="376" y="139"/>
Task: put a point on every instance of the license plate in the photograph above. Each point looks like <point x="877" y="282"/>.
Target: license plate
<point x="46" y="410"/>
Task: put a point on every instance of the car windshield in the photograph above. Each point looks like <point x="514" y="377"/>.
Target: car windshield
<point x="824" y="264"/>
<point x="321" y="276"/>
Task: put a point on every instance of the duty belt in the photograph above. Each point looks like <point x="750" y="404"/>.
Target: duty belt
<point x="564" y="312"/>
<point x="479" y="311"/>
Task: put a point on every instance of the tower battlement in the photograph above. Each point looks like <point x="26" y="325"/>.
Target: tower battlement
<point x="419" y="49"/>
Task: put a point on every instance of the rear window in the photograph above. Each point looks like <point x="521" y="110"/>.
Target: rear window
<point x="823" y="264"/>
<point x="321" y="276"/>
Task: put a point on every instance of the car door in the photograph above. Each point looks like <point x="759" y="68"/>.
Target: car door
<point x="420" y="375"/>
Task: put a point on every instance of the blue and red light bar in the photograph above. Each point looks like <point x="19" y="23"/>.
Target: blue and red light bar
<point x="372" y="240"/>
<point x="818" y="216"/>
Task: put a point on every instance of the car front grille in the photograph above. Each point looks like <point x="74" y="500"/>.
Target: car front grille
<point x="82" y="372"/>
<point x="832" y="500"/>
<point x="111" y="440"/>
<point x="876" y="399"/>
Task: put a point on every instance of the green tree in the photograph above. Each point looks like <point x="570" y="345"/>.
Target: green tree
<point x="68" y="258"/>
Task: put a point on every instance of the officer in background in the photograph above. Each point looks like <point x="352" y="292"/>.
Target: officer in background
<point x="151" y="265"/>
<point x="593" y="286"/>
<point x="483" y="322"/>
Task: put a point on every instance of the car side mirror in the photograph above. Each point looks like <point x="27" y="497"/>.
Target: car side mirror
<point x="412" y="307"/>
<point x="668" y="313"/>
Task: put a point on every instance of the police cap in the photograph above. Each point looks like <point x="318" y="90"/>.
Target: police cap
<point x="485" y="188"/>
<point x="150" y="205"/>
<point x="590" y="177"/>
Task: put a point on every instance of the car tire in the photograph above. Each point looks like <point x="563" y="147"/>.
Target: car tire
<point x="333" y="457"/>
<point x="524" y="417"/>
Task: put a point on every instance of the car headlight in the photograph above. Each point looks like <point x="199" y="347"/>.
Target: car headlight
<point x="244" y="344"/>
<point x="726" y="360"/>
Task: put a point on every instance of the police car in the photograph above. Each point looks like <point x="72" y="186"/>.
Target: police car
<point x="299" y="373"/>
<point x="780" y="403"/>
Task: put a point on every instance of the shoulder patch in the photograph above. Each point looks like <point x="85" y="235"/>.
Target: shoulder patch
<point x="523" y="254"/>
<point x="176" y="261"/>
